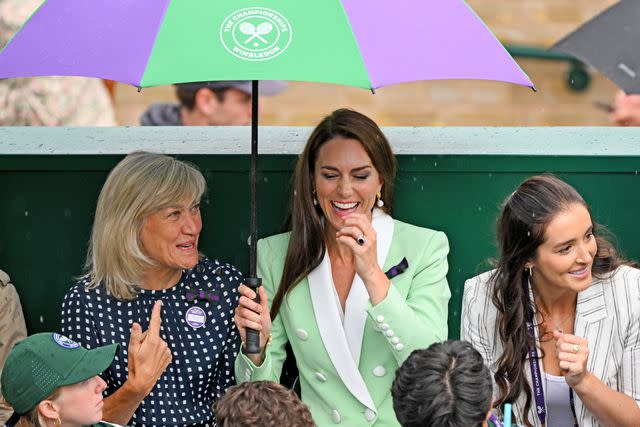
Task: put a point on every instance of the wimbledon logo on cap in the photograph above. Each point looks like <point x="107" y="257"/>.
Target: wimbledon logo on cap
<point x="65" y="342"/>
<point x="255" y="33"/>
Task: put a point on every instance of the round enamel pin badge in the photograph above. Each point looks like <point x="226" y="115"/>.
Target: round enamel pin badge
<point x="65" y="342"/>
<point x="196" y="317"/>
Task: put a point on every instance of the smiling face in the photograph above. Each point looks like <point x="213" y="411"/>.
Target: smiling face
<point x="563" y="262"/>
<point x="345" y="180"/>
<point x="170" y="237"/>
<point x="81" y="404"/>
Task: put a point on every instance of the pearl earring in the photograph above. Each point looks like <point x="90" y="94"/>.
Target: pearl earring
<point x="379" y="201"/>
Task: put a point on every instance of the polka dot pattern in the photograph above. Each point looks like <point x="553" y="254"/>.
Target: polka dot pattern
<point x="202" y="365"/>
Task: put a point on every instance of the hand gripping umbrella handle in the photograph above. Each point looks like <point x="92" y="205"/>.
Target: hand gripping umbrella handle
<point x="253" y="336"/>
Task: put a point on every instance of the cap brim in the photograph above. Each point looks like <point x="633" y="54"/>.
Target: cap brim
<point x="94" y="363"/>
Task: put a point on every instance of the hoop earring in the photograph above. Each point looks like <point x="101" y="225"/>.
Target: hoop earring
<point x="379" y="201"/>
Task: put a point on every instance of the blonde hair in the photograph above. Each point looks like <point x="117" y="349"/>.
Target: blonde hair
<point x="34" y="418"/>
<point x="141" y="184"/>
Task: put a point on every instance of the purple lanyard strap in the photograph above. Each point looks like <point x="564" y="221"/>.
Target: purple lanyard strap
<point x="536" y="377"/>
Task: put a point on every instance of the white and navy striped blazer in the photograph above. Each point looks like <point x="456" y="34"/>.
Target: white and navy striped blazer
<point x="607" y="316"/>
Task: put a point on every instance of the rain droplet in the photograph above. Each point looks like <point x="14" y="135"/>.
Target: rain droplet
<point x="435" y="163"/>
<point x="26" y="213"/>
<point x="41" y="319"/>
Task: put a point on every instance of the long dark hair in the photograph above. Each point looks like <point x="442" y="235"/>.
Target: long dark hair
<point x="521" y="230"/>
<point x="306" y="245"/>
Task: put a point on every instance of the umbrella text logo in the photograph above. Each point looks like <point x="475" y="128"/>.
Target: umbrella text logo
<point x="255" y="33"/>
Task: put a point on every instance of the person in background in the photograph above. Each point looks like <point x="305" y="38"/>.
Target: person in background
<point x="446" y="384"/>
<point x="12" y="330"/>
<point x="626" y="110"/>
<point x="217" y="103"/>
<point x="51" y="380"/>
<point x="48" y="101"/>
<point x="558" y="320"/>
<point x="261" y="403"/>
<point x="144" y="273"/>
<point x="352" y="290"/>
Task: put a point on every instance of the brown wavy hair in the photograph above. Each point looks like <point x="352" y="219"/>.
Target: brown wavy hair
<point x="261" y="403"/>
<point x="521" y="230"/>
<point x="306" y="245"/>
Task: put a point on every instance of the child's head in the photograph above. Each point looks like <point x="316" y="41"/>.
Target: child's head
<point x="50" y="380"/>
<point x="262" y="403"/>
<point x="444" y="385"/>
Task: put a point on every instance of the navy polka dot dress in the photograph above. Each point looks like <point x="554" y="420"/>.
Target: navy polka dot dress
<point x="201" y="335"/>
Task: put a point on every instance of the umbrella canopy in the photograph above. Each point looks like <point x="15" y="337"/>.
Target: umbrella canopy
<point x="610" y="42"/>
<point x="352" y="42"/>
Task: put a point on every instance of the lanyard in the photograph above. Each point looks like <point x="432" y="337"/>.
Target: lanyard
<point x="495" y="421"/>
<point x="538" y="391"/>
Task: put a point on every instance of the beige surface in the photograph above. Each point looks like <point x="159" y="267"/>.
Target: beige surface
<point x="459" y="103"/>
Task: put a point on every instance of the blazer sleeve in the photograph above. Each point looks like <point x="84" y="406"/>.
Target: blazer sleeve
<point x="275" y="353"/>
<point x="421" y="319"/>
<point x="473" y="322"/>
<point x="631" y="352"/>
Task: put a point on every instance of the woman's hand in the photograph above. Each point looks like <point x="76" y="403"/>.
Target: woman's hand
<point x="366" y="255"/>
<point x="148" y="354"/>
<point x="573" y="353"/>
<point x="250" y="314"/>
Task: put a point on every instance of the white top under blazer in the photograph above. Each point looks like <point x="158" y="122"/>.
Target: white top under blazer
<point x="607" y="316"/>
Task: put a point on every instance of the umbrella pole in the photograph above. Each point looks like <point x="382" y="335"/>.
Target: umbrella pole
<point x="253" y="281"/>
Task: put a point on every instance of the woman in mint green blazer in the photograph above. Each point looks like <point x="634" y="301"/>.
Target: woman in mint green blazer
<point x="351" y="289"/>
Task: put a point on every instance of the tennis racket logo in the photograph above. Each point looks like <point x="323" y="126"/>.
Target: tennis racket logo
<point x="255" y="34"/>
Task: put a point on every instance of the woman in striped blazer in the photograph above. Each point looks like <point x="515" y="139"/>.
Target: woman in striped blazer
<point x="558" y="320"/>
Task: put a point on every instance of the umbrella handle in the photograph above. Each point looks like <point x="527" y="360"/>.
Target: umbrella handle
<point x="253" y="336"/>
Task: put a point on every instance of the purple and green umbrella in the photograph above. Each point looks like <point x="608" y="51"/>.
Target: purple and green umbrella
<point x="362" y="43"/>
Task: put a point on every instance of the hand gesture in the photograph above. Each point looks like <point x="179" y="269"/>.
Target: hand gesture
<point x="573" y="353"/>
<point x="358" y="227"/>
<point x="148" y="354"/>
<point x="626" y="110"/>
<point x="250" y="314"/>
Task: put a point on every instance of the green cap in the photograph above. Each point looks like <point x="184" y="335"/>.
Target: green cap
<point x="41" y="363"/>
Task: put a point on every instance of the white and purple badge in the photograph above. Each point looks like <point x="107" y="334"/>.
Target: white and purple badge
<point x="195" y="317"/>
<point x="64" y="342"/>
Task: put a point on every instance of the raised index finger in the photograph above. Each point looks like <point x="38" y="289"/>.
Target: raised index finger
<point x="156" y="320"/>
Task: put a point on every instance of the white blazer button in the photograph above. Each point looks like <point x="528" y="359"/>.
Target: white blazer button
<point x="390" y="332"/>
<point x="379" y="371"/>
<point x="380" y="318"/>
<point x="320" y="377"/>
<point x="369" y="414"/>
<point x="335" y="416"/>
<point x="302" y="334"/>
<point x="399" y="347"/>
<point x="395" y="340"/>
<point x="384" y="326"/>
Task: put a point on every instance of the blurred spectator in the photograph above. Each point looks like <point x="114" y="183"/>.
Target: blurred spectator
<point x="12" y="330"/>
<point x="626" y="110"/>
<point x="445" y="385"/>
<point x="47" y="101"/>
<point x="221" y="103"/>
<point x="261" y="403"/>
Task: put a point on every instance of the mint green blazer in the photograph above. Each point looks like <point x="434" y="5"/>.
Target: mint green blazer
<point x="347" y="368"/>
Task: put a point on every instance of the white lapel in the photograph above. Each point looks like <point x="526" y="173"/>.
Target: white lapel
<point x="355" y="315"/>
<point x="332" y="333"/>
<point x="343" y="344"/>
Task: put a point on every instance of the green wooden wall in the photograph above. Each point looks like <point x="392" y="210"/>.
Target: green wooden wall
<point x="47" y="200"/>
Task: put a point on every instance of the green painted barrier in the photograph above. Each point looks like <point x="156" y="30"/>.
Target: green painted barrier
<point x="450" y="179"/>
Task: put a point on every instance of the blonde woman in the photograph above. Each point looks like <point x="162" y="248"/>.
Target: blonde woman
<point x="50" y="380"/>
<point x="144" y="273"/>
